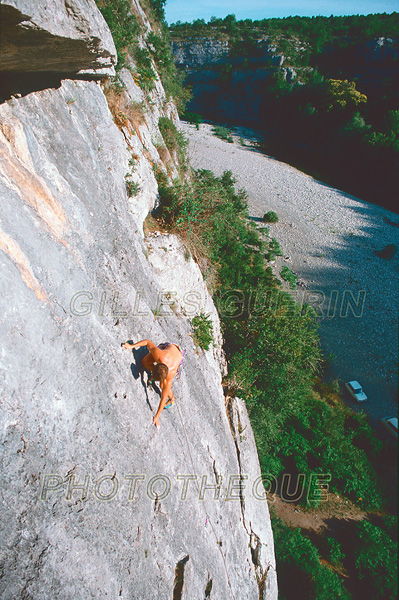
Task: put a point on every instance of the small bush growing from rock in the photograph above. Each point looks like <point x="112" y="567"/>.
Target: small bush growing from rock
<point x="133" y="188"/>
<point x="169" y="132"/>
<point x="270" y="217"/>
<point x="203" y="331"/>
<point x="273" y="250"/>
<point x="174" y="140"/>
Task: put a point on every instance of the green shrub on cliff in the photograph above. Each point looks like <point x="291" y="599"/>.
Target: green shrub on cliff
<point x="223" y="133"/>
<point x="125" y="30"/>
<point x="202" y="331"/>
<point x="122" y="23"/>
<point x="289" y="276"/>
<point x="174" y="140"/>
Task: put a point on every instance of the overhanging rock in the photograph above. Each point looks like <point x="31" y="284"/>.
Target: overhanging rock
<point x="57" y="37"/>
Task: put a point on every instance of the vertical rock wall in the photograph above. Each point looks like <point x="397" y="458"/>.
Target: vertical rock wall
<point x="95" y="501"/>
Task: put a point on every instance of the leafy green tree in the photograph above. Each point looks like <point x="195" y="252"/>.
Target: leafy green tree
<point x="158" y="7"/>
<point x="230" y="24"/>
<point x="375" y="560"/>
<point x="342" y="94"/>
<point x="299" y="571"/>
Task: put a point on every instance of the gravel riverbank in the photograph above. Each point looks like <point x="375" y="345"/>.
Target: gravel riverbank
<point x="329" y="240"/>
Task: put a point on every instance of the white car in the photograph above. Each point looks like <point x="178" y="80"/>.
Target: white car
<point x="355" y="390"/>
<point x="391" y="424"/>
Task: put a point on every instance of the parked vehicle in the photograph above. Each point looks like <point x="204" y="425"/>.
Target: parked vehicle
<point x="356" y="391"/>
<point x="391" y="425"/>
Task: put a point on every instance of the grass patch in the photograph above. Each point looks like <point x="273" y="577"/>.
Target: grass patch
<point x="289" y="276"/>
<point x="126" y="112"/>
<point x="223" y="133"/>
<point x="174" y="140"/>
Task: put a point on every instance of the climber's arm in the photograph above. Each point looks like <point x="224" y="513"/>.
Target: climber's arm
<point x="166" y="392"/>
<point x="130" y="346"/>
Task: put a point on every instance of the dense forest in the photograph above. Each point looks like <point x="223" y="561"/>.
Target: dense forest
<point x="330" y="106"/>
<point x="316" y="30"/>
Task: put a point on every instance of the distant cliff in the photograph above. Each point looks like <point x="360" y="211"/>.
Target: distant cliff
<point x="229" y="78"/>
<point x="323" y="90"/>
<point x="227" y="85"/>
<point x="95" y="501"/>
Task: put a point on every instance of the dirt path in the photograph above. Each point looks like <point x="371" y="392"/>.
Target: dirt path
<point x="329" y="240"/>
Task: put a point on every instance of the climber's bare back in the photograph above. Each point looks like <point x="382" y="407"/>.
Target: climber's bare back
<point x="169" y="356"/>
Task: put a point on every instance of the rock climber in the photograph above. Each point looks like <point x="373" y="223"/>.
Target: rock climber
<point x="163" y="362"/>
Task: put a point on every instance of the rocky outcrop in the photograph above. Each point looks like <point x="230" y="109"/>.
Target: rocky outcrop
<point x="227" y="82"/>
<point x="67" y="37"/>
<point x="194" y="52"/>
<point x="95" y="501"/>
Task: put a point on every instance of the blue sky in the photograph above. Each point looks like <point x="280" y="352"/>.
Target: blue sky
<point x="186" y="10"/>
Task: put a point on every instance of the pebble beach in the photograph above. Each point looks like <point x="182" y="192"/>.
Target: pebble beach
<point x="329" y="240"/>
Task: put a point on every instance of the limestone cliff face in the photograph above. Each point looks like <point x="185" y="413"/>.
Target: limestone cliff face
<point x="95" y="501"/>
<point x="55" y="36"/>
<point x="228" y="85"/>
<point x="195" y="52"/>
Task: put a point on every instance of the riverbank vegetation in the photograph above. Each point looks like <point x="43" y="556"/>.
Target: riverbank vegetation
<point x="301" y="425"/>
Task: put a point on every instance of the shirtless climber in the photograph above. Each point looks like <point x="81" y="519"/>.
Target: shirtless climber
<point x="163" y="362"/>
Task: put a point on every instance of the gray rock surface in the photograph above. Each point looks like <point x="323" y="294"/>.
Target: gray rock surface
<point x="49" y="35"/>
<point x="199" y="52"/>
<point x="77" y="280"/>
<point x="74" y="404"/>
<point x="181" y="279"/>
